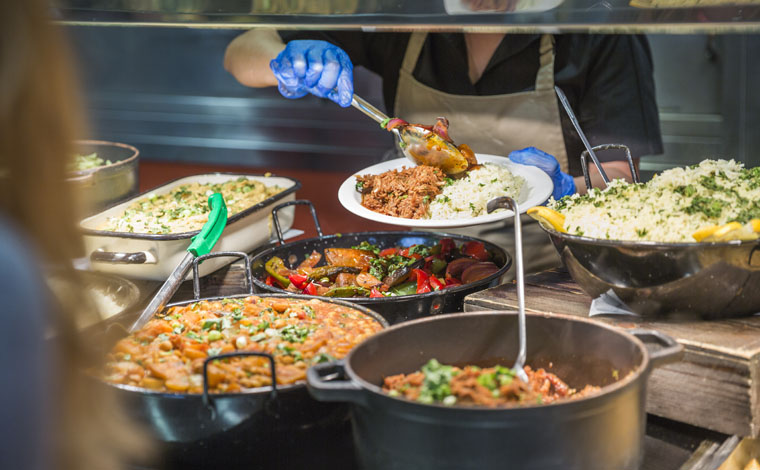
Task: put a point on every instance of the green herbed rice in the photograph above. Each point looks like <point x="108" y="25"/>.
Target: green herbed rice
<point x="670" y="207"/>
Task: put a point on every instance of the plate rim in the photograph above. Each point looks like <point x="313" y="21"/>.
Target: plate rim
<point x="347" y="189"/>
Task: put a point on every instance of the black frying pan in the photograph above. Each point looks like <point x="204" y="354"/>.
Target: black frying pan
<point x="393" y="309"/>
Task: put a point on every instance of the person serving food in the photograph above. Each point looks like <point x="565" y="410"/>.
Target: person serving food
<point x="496" y="90"/>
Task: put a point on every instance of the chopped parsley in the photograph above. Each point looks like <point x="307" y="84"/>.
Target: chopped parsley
<point x="366" y="246"/>
<point x="322" y="357"/>
<point x="436" y="384"/>
<point x="710" y="207"/>
<point x="295" y="334"/>
<point x="194" y="336"/>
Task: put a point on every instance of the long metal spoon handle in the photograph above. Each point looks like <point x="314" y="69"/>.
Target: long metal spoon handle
<point x="165" y="293"/>
<point x="371" y="111"/>
<point x="577" y="125"/>
<point x="502" y="202"/>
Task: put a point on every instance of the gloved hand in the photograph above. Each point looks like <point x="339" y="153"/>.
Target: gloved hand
<point x="315" y="67"/>
<point x="563" y="183"/>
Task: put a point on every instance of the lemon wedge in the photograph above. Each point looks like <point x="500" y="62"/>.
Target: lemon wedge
<point x="704" y="232"/>
<point x="549" y="217"/>
<point x="729" y="231"/>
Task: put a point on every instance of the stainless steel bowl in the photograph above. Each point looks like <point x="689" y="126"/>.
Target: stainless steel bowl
<point x="705" y="280"/>
<point x="98" y="188"/>
<point x="109" y="296"/>
<point x="681" y="280"/>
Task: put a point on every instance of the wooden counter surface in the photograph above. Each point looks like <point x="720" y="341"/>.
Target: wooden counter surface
<point x="716" y="384"/>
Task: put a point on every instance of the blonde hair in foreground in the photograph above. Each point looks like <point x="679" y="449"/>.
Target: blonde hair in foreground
<point x="40" y="116"/>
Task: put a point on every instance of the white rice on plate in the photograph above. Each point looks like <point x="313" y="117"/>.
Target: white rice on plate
<point x="669" y="208"/>
<point x="467" y="197"/>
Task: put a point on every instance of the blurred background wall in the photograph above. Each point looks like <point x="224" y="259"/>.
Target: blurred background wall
<point x="165" y="91"/>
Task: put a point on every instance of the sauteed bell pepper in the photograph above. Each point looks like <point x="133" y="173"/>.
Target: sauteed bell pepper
<point x="475" y="250"/>
<point x="298" y="280"/>
<point x="366" y="270"/>
<point x="275" y="266"/>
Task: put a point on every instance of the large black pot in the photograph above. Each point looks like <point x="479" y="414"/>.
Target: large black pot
<point x="263" y="428"/>
<point x="393" y="309"/>
<point x="600" y="432"/>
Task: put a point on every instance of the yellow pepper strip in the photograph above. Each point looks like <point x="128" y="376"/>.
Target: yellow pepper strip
<point x="729" y="231"/>
<point x="549" y="217"/>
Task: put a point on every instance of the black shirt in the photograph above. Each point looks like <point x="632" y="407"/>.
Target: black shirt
<point x="607" y="79"/>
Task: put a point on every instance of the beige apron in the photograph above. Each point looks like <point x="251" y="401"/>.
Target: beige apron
<point x="494" y="124"/>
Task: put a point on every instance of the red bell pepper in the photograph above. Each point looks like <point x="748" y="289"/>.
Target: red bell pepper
<point x="435" y="283"/>
<point x="388" y="252"/>
<point x="475" y="250"/>
<point x="269" y="281"/>
<point x="298" y="280"/>
<point x="423" y="284"/>
<point x="447" y="245"/>
<point x="375" y="293"/>
<point x="310" y="289"/>
<point x="405" y="253"/>
<point x="450" y="281"/>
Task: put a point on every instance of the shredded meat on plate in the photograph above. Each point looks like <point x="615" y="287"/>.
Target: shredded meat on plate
<point x="401" y="193"/>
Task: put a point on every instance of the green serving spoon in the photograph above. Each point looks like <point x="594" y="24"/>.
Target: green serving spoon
<point x="200" y="245"/>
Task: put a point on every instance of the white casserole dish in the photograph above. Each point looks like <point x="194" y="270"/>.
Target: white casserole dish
<point x="154" y="256"/>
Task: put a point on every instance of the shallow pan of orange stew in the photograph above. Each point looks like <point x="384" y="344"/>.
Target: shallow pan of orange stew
<point x="168" y="353"/>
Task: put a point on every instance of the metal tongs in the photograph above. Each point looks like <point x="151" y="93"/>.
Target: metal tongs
<point x="506" y="202"/>
<point x="416" y="144"/>
<point x="589" y="152"/>
<point x="200" y="245"/>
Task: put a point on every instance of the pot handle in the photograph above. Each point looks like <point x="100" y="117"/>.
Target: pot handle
<point x="670" y="351"/>
<point x="328" y="382"/>
<point x="208" y="401"/>
<point x="297" y="202"/>
<point x="218" y="254"/>
<point x="115" y="257"/>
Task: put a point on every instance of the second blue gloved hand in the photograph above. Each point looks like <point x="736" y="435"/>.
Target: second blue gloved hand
<point x="563" y="183"/>
<point x="315" y="67"/>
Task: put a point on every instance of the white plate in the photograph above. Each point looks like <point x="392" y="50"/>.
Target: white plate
<point x="456" y="7"/>
<point x="536" y="190"/>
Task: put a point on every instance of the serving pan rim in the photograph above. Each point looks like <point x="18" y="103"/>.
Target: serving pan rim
<point x="126" y="161"/>
<point x="435" y="293"/>
<point x="645" y="243"/>
<point x="251" y="391"/>
<point x="607" y="390"/>
<point x="183" y="235"/>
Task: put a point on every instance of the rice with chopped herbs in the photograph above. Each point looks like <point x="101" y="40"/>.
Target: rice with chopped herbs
<point x="467" y="197"/>
<point x="185" y="208"/>
<point x="669" y="208"/>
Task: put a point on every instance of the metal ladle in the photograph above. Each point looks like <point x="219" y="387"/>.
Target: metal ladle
<point x="506" y="202"/>
<point x="419" y="145"/>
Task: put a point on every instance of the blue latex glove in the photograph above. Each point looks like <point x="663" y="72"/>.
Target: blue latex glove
<point x="563" y="183"/>
<point x="315" y="67"/>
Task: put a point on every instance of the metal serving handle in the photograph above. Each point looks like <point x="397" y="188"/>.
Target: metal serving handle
<point x="272" y="395"/>
<point x="200" y="245"/>
<point x="584" y="163"/>
<point x="297" y="202"/>
<point x="577" y="125"/>
<point x="328" y="382"/>
<point x="670" y="351"/>
<point x="508" y="202"/>
<point x="237" y="254"/>
<point x="115" y="257"/>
